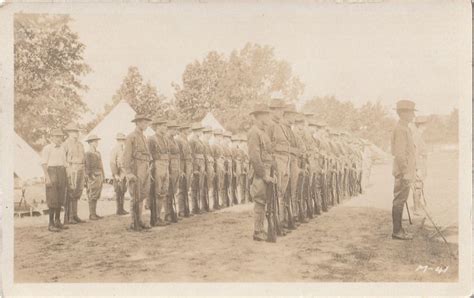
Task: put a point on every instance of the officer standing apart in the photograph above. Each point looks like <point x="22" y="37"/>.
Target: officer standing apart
<point x="53" y="161"/>
<point x="259" y="146"/>
<point x="94" y="175"/>
<point x="136" y="159"/>
<point x="118" y="172"/>
<point x="404" y="165"/>
<point x="75" y="173"/>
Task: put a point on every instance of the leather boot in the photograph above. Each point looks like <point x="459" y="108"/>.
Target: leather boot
<point x="122" y="210"/>
<point x="92" y="215"/>
<point x="75" y="216"/>
<point x="117" y="201"/>
<point x="397" y="219"/>
<point x="95" y="210"/>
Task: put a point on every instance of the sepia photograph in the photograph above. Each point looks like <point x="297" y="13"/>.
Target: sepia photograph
<point x="238" y="142"/>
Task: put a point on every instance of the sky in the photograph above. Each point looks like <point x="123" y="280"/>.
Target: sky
<point x="359" y="52"/>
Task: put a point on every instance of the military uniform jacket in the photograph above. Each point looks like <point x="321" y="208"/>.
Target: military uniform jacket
<point x="184" y="148"/>
<point x="278" y="137"/>
<point x="198" y="150"/>
<point x="158" y="146"/>
<point x="116" y="160"/>
<point x="135" y="152"/>
<point x="75" y="155"/>
<point x="173" y="147"/>
<point x="93" y="163"/>
<point x="260" y="153"/>
<point x="403" y="151"/>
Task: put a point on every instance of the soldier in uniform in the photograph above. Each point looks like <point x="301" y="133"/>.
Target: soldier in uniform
<point x="94" y="171"/>
<point x="421" y="162"/>
<point x="404" y="165"/>
<point x="245" y="168"/>
<point x="236" y="169"/>
<point x="118" y="172"/>
<point x="75" y="173"/>
<point x="53" y="161"/>
<point x="279" y="137"/>
<point x="303" y="165"/>
<point x="210" y="166"/>
<point x="136" y="160"/>
<point x="174" y="169"/>
<point x="227" y="152"/>
<point x="219" y="163"/>
<point x="198" y="151"/>
<point x="186" y="170"/>
<point x="159" y="152"/>
<point x="259" y="146"/>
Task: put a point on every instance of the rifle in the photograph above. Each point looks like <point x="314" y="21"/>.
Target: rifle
<point x="153" y="209"/>
<point x="270" y="212"/>
<point x="172" y="205"/>
<point x="184" y="188"/>
<point x="135" y="197"/>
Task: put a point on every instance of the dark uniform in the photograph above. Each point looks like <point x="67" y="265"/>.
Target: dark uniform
<point x="198" y="151"/>
<point x="94" y="171"/>
<point x="159" y="152"/>
<point x="174" y="169"/>
<point x="118" y="172"/>
<point x="186" y="171"/>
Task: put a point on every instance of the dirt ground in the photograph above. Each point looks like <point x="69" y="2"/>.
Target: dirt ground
<point x="349" y="243"/>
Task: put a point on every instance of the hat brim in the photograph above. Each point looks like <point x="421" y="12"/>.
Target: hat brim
<point x="91" y="140"/>
<point x="405" y="109"/>
<point x="259" y="112"/>
<point x="141" y="118"/>
<point x="71" y="129"/>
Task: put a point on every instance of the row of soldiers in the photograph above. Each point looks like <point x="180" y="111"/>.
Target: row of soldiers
<point x="182" y="170"/>
<point x="301" y="168"/>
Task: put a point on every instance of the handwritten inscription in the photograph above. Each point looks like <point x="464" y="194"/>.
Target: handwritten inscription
<point x="426" y="268"/>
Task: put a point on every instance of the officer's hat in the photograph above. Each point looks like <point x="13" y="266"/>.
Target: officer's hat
<point x="405" y="105"/>
<point x="277" y="104"/>
<point x="260" y="109"/>
<point x="312" y="123"/>
<point x="71" y="127"/>
<point x="243" y="138"/>
<point x="158" y="121"/>
<point x="321" y="123"/>
<point x="185" y="126"/>
<point x="120" y="136"/>
<point x="421" y="119"/>
<point x="290" y="109"/>
<point x="92" y="138"/>
<point x="235" y="138"/>
<point x="139" y="116"/>
<point x="172" y="124"/>
<point x="299" y="119"/>
<point x="207" y="130"/>
<point x="308" y="115"/>
<point x="197" y="126"/>
<point x="57" y="132"/>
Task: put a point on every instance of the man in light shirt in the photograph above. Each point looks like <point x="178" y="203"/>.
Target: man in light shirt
<point x="53" y="161"/>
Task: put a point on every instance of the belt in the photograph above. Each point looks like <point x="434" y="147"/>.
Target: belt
<point x="174" y="156"/>
<point x="281" y="149"/>
<point x="199" y="156"/>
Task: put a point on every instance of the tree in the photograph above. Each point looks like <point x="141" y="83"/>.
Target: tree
<point x="142" y="97"/>
<point x="48" y="67"/>
<point x="230" y="86"/>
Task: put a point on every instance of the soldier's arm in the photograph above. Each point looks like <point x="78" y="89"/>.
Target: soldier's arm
<point x="255" y="155"/>
<point x="128" y="155"/>
<point x="399" y="144"/>
<point x="113" y="163"/>
<point x="88" y="164"/>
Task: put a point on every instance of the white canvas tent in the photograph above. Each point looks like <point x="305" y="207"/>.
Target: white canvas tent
<point x="118" y="120"/>
<point x="27" y="160"/>
<point x="210" y="121"/>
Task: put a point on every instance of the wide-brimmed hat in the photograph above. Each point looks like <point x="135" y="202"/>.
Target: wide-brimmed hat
<point x="71" y="127"/>
<point x="290" y="109"/>
<point x="92" y="138"/>
<point x="260" y="109"/>
<point x="120" y="136"/>
<point x="207" y="130"/>
<point x="218" y="132"/>
<point x="308" y="115"/>
<point x="184" y="126"/>
<point x="227" y="134"/>
<point x="405" y="105"/>
<point x="321" y="123"/>
<point x="139" y="116"/>
<point x="57" y="132"/>
<point x="277" y="103"/>
<point x="158" y="121"/>
<point x="197" y="126"/>
<point x="235" y="138"/>
<point x="172" y="124"/>
<point x="421" y="119"/>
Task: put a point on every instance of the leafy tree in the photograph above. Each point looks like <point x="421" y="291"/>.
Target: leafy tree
<point x="48" y="67"/>
<point x="142" y="97"/>
<point x="230" y="86"/>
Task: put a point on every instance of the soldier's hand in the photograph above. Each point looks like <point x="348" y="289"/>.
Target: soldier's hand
<point x="47" y="181"/>
<point x="131" y="177"/>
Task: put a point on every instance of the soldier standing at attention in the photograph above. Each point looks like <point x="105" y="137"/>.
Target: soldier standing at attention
<point x="94" y="175"/>
<point x="227" y="151"/>
<point x="118" y="173"/>
<point x="404" y="165"/>
<point x="158" y="146"/>
<point x="53" y="161"/>
<point x="186" y="170"/>
<point x="259" y="146"/>
<point x="199" y="169"/>
<point x="210" y="166"/>
<point x="421" y="160"/>
<point x="220" y="169"/>
<point x="174" y="170"/>
<point x="136" y="159"/>
<point x="281" y="153"/>
<point x="75" y="173"/>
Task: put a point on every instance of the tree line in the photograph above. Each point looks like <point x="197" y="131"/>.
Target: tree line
<point x="49" y="64"/>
